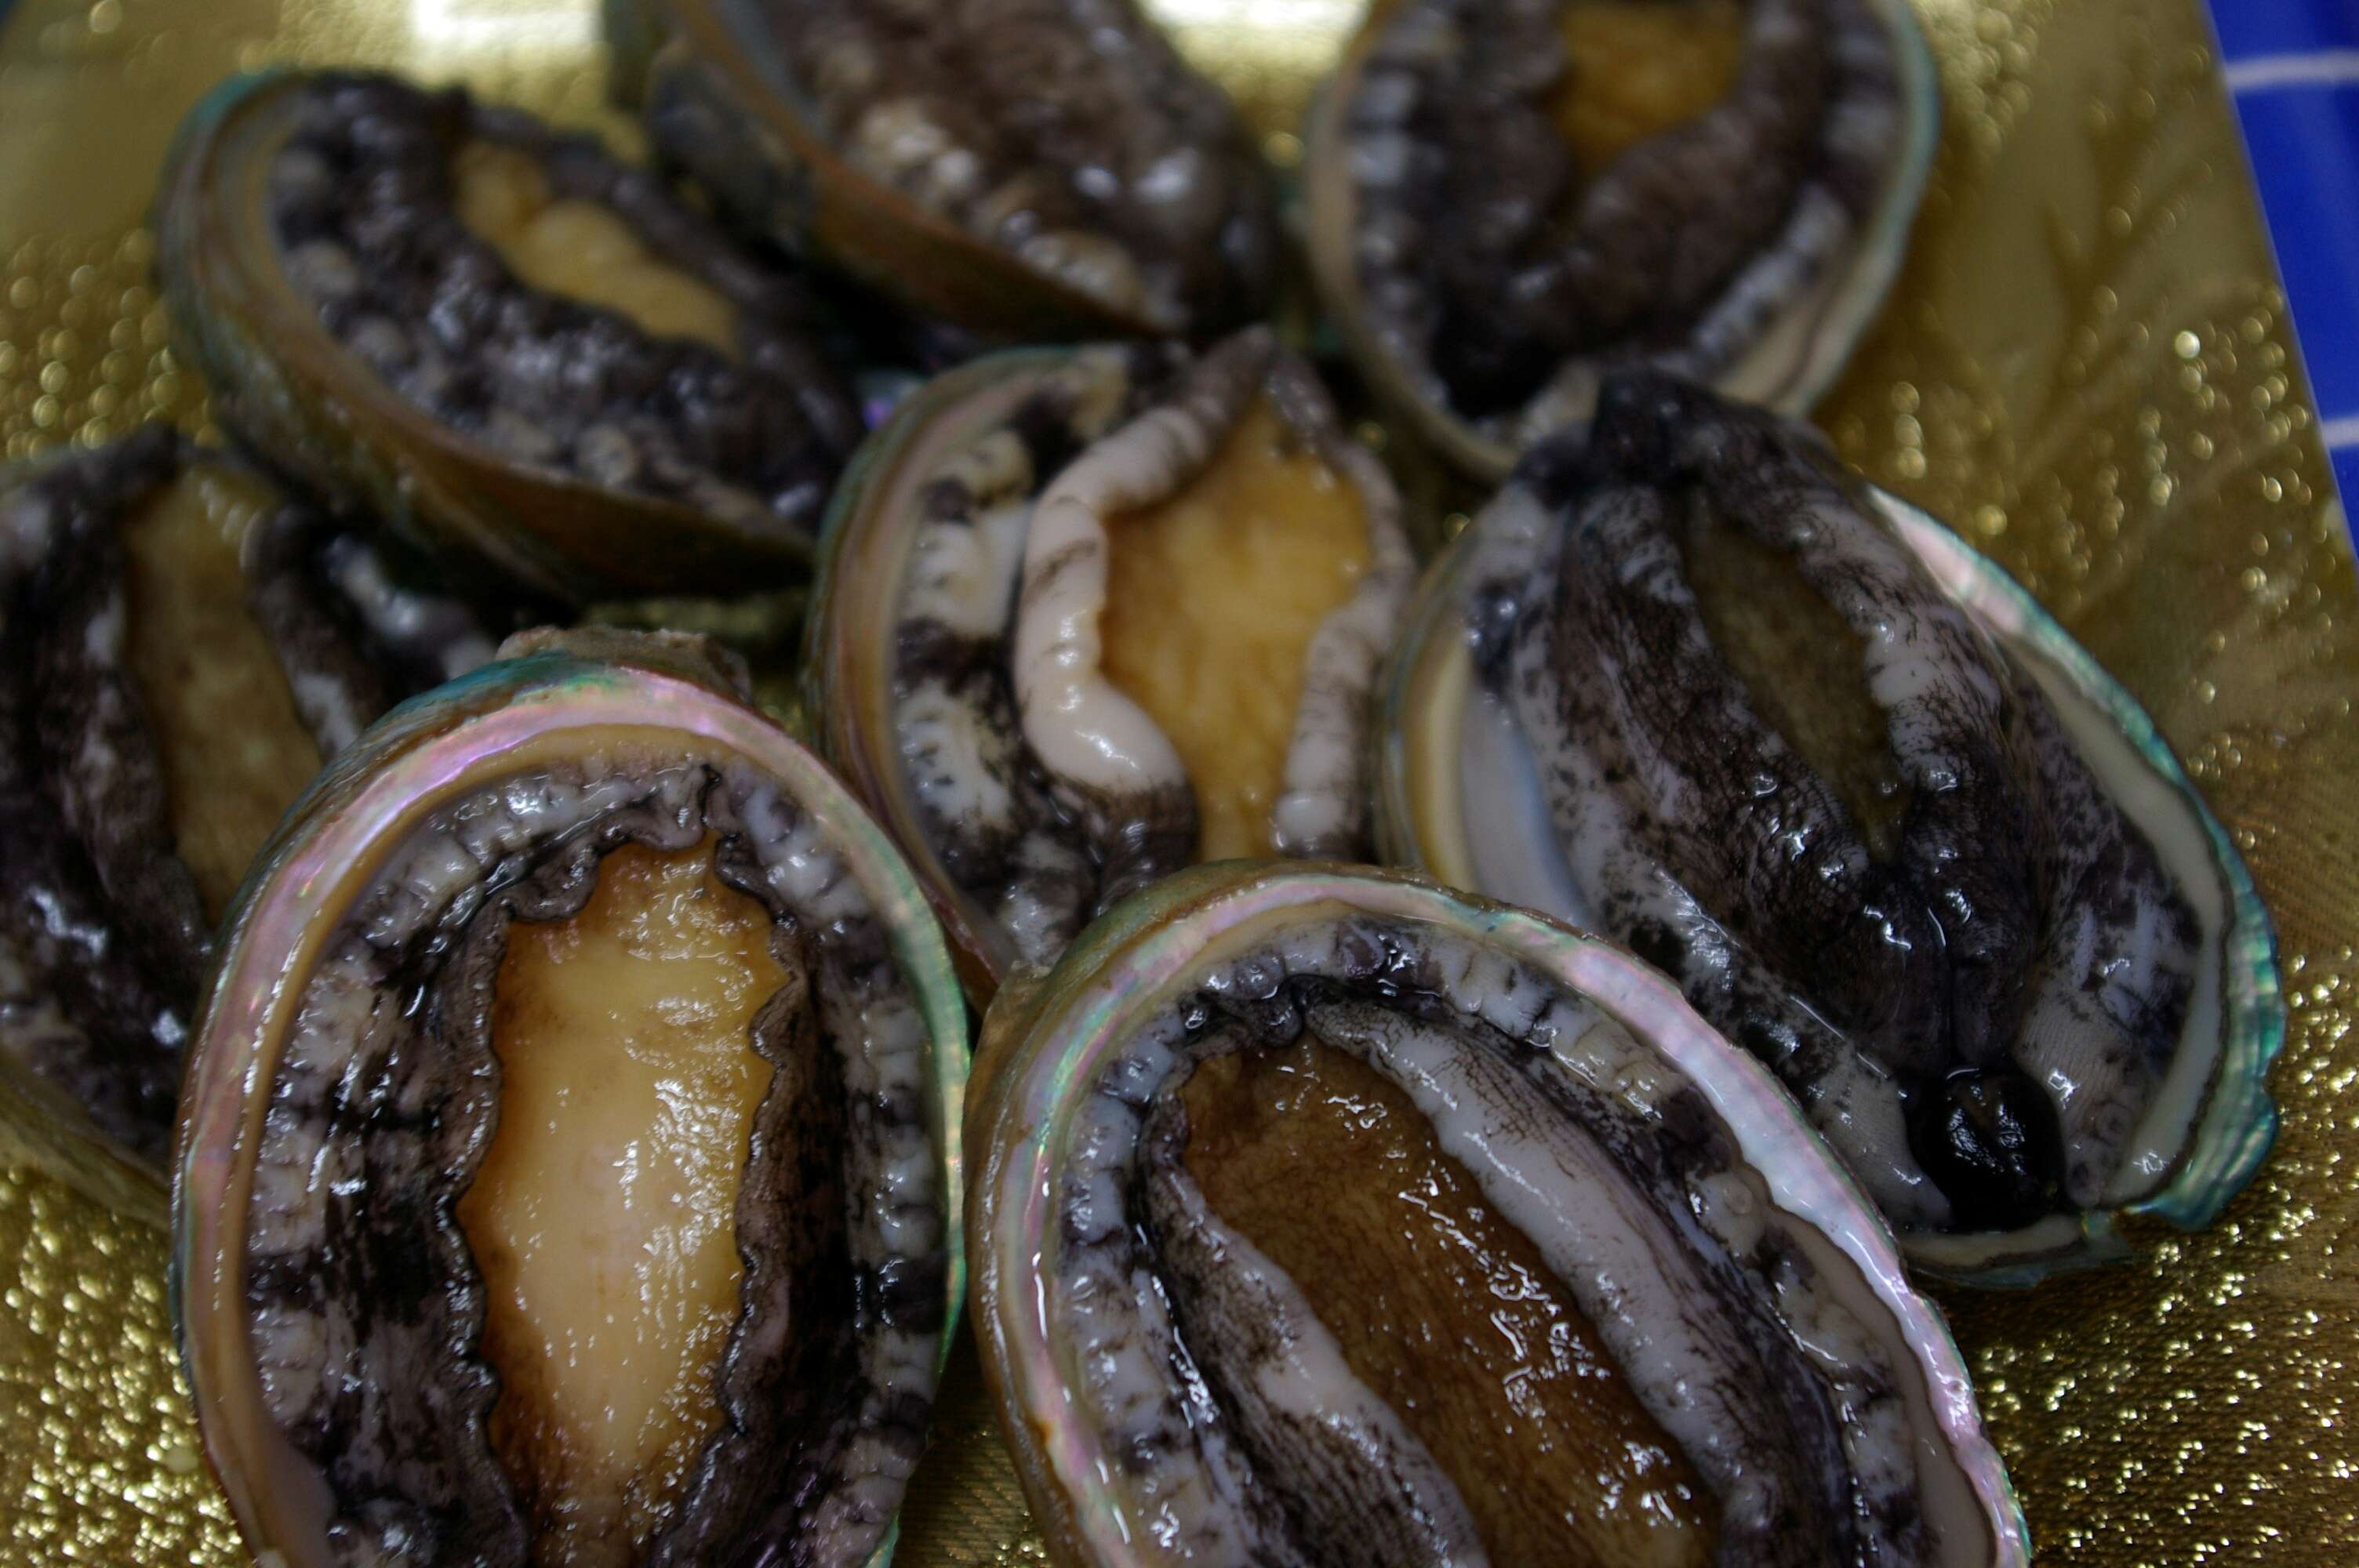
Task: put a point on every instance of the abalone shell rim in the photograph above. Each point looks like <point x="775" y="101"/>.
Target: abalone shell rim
<point x="1128" y="958"/>
<point x="426" y="751"/>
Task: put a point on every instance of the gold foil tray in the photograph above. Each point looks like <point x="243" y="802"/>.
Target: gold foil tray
<point x="2086" y="367"/>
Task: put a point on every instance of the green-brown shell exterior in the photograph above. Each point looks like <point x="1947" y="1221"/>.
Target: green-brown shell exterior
<point x="732" y="119"/>
<point x="712" y="109"/>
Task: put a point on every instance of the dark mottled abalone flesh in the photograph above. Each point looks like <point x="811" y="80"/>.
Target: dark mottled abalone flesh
<point x="181" y="646"/>
<point x="1688" y="682"/>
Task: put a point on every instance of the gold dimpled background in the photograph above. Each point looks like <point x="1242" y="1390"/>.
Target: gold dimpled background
<point x="2086" y="368"/>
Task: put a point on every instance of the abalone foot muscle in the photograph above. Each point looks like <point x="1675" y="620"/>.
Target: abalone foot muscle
<point x="833" y="1408"/>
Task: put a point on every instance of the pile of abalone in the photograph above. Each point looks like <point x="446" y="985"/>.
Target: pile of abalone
<point x="562" y="1068"/>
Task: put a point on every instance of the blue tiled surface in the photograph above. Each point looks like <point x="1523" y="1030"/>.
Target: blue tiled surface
<point x="2304" y="141"/>
<point x="2250" y="27"/>
<point x="2293" y="68"/>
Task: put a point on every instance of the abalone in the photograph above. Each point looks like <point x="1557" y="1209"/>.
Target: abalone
<point x="1088" y="616"/>
<point x="1687" y="682"/>
<point x="568" y="1172"/>
<point x="181" y="647"/>
<point x="498" y="338"/>
<point x="1508" y="200"/>
<point x="1328" y="1217"/>
<point x="1029" y="172"/>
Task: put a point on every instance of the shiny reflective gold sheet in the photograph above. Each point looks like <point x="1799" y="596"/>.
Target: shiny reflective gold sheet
<point x="2086" y="367"/>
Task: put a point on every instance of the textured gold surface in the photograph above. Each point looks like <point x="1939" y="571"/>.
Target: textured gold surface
<point x="2086" y="367"/>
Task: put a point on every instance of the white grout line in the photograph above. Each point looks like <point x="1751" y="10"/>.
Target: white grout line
<point x="2264" y="73"/>
<point x="2339" y="433"/>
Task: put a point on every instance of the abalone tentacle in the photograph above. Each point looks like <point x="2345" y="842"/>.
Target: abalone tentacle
<point x="401" y="1100"/>
<point x="982" y="795"/>
<point x="1638" y="1203"/>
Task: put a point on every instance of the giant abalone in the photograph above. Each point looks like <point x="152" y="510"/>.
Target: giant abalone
<point x="497" y="337"/>
<point x="568" y="1168"/>
<point x="180" y="645"/>
<point x="1327" y="1217"/>
<point x="1507" y="200"/>
<point x="1687" y="682"/>
<point x="1030" y="172"/>
<point x="1088" y="616"/>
